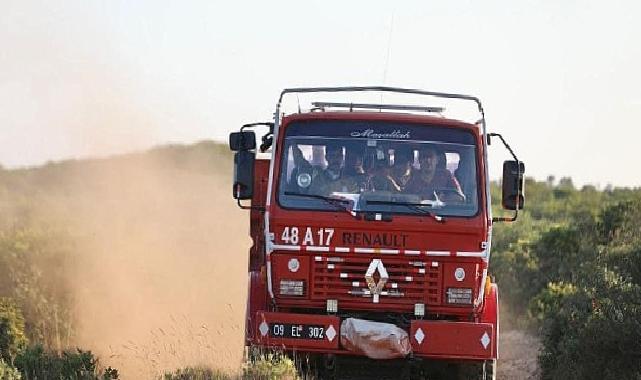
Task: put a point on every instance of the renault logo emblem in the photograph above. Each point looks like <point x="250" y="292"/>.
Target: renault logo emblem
<point x="376" y="288"/>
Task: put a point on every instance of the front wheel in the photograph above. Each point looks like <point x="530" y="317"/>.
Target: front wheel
<point x="485" y="370"/>
<point x="489" y="370"/>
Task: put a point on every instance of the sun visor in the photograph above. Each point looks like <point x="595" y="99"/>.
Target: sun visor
<point x="375" y="340"/>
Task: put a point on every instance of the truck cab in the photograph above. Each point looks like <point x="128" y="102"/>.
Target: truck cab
<point x="371" y="228"/>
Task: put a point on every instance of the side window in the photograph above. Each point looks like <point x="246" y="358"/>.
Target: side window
<point x="465" y="173"/>
<point x="301" y="158"/>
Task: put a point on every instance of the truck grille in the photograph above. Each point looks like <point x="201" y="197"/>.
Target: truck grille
<point x="410" y="280"/>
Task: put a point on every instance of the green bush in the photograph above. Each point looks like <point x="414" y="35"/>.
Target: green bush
<point x="270" y="366"/>
<point x="574" y="264"/>
<point x="591" y="322"/>
<point x="12" y="334"/>
<point x="594" y="333"/>
<point x="196" y="373"/>
<point x="37" y="279"/>
<point x="36" y="363"/>
<point x="549" y="301"/>
<point x="260" y="366"/>
<point x="7" y="372"/>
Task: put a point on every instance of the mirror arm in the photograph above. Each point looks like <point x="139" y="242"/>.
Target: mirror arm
<point x="518" y="189"/>
<point x="267" y="139"/>
<point x="269" y="124"/>
<point x="506" y="145"/>
<point x="504" y="219"/>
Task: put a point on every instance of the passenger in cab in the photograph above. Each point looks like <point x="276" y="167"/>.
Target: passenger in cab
<point x="332" y="178"/>
<point x="380" y="174"/>
<point x="433" y="180"/>
<point x="354" y="166"/>
<point x="402" y="169"/>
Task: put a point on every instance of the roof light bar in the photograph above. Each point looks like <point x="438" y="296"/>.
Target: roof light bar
<point x="398" y="107"/>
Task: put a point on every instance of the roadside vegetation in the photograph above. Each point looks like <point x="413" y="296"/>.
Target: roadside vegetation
<point x="569" y="271"/>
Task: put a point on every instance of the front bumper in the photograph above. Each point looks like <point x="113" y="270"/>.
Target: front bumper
<point x="429" y="339"/>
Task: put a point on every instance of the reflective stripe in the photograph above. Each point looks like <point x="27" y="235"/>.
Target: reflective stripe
<point x="313" y="248"/>
<point x="471" y="254"/>
<point x="286" y="247"/>
<point x="316" y="249"/>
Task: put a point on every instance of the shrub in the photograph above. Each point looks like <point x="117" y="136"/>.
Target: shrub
<point x="549" y="301"/>
<point x="36" y="363"/>
<point x="196" y="373"/>
<point x="12" y="335"/>
<point x="592" y="332"/>
<point x="7" y="372"/>
<point x="37" y="279"/>
<point x="270" y="366"/>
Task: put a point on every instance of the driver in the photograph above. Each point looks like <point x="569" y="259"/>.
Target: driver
<point x="332" y="178"/>
<point x="432" y="180"/>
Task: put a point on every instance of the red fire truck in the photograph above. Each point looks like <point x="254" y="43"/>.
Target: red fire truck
<point x="372" y="226"/>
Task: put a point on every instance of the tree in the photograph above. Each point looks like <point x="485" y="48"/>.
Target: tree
<point x="12" y="335"/>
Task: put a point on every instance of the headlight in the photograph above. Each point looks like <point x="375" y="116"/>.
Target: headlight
<point x="462" y="296"/>
<point x="292" y="287"/>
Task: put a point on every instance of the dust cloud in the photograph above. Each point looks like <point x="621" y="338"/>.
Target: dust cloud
<point x="159" y="280"/>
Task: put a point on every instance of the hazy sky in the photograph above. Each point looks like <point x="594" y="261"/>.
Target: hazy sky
<point x="560" y="79"/>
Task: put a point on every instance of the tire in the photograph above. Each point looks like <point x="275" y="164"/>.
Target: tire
<point x="485" y="370"/>
<point x="489" y="369"/>
<point x="316" y="366"/>
<point x="307" y="366"/>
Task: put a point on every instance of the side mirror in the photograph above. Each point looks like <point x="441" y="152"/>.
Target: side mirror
<point x="244" y="173"/>
<point x="513" y="185"/>
<point x="239" y="141"/>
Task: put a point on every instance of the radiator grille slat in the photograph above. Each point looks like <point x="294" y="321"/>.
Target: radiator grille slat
<point x="342" y="277"/>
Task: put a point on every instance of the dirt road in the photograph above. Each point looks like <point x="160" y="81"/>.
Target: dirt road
<point x="519" y="352"/>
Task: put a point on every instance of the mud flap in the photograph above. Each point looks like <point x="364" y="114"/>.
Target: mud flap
<point x="375" y="340"/>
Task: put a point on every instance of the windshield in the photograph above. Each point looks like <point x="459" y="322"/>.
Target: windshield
<point x="387" y="167"/>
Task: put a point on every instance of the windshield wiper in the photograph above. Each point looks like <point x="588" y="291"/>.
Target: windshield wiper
<point x="413" y="206"/>
<point x="336" y="202"/>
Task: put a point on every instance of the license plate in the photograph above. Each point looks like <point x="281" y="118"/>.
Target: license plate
<point x="296" y="331"/>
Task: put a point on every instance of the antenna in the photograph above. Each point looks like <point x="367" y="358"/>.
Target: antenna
<point x="298" y="100"/>
<point x="389" y="49"/>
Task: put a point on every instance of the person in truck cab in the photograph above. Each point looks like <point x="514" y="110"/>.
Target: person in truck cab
<point x="402" y="169"/>
<point x="354" y="166"/>
<point x="332" y="178"/>
<point x="433" y="180"/>
<point x="302" y="173"/>
<point x="380" y="174"/>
